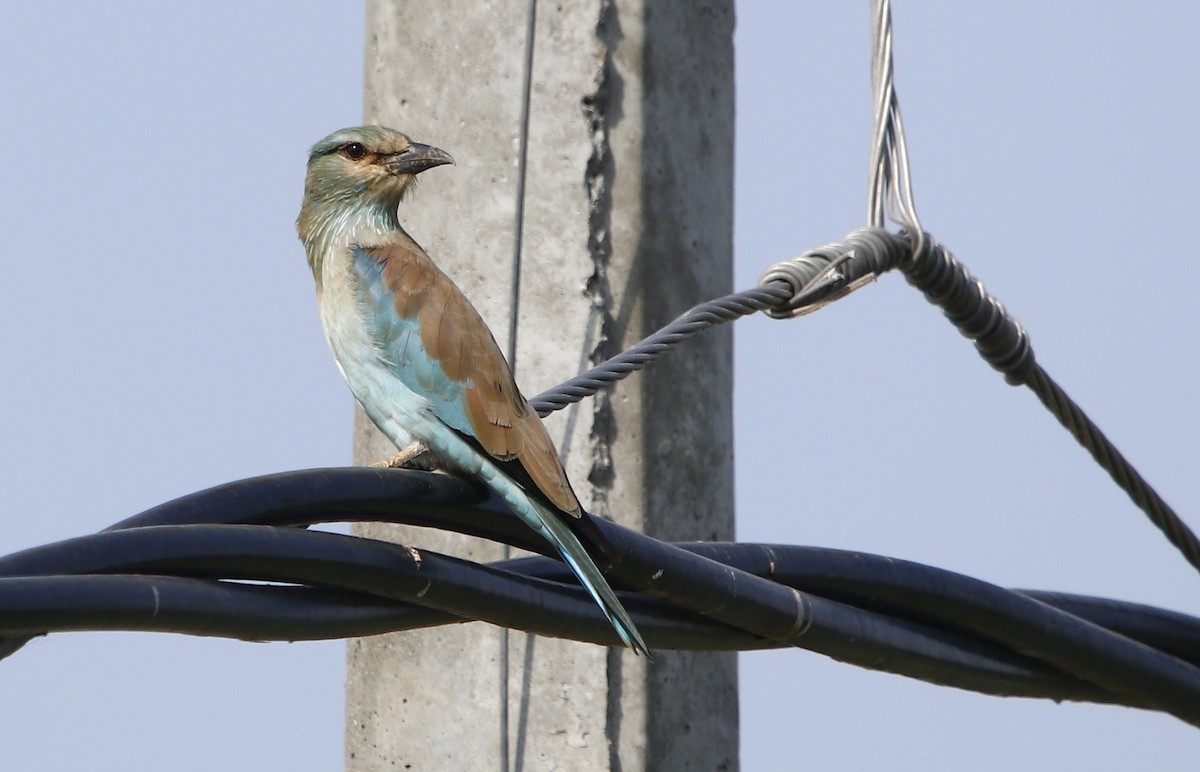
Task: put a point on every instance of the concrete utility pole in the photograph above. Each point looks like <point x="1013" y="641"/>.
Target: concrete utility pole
<point x="627" y="222"/>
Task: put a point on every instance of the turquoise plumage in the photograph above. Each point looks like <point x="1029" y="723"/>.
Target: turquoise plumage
<point x="417" y="355"/>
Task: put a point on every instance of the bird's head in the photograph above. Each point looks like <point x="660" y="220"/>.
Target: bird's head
<point x="366" y="168"/>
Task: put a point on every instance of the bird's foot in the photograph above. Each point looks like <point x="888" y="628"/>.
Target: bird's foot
<point x="416" y="456"/>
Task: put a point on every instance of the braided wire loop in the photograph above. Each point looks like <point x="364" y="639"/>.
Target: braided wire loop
<point x="789" y="288"/>
<point x="822" y="275"/>
<point x="999" y="338"/>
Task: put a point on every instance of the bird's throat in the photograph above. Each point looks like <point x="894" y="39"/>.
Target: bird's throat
<point x="331" y="229"/>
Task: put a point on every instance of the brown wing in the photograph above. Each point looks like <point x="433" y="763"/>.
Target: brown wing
<point x="453" y="333"/>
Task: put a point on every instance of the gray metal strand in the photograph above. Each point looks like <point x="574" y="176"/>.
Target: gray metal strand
<point x="1119" y="469"/>
<point x="689" y="323"/>
<point x="1005" y="345"/>
<point x="788" y="288"/>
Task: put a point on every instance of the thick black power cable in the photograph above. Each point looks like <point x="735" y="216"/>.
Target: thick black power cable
<point x="459" y="590"/>
<point x="416" y="498"/>
<point x="876" y="612"/>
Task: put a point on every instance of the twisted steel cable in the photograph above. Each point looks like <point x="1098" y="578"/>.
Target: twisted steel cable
<point x="1004" y="344"/>
<point x="631" y="360"/>
<point x="1123" y="473"/>
<point x="805" y="283"/>
<point x="790" y="288"/>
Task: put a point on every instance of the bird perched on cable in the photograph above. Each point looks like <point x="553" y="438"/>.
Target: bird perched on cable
<point x="416" y="353"/>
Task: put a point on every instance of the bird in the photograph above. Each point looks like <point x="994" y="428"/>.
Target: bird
<point x="418" y="356"/>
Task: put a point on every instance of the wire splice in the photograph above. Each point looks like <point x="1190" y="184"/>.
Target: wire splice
<point x="999" y="338"/>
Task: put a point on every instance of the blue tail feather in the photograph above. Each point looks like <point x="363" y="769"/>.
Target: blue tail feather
<point x="564" y="540"/>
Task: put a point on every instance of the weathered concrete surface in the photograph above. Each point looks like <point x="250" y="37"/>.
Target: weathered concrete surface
<point x="628" y="222"/>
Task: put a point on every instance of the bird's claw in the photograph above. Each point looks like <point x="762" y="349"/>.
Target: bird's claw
<point x="416" y="457"/>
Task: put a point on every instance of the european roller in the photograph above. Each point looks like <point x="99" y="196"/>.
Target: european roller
<point x="417" y="355"/>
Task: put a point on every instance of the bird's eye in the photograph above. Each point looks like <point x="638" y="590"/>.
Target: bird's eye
<point x="354" y="150"/>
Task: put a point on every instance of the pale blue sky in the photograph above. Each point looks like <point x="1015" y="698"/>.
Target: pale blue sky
<point x="159" y="335"/>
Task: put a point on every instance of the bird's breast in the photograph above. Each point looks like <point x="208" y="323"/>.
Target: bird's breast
<point x="342" y="315"/>
<point x="380" y="351"/>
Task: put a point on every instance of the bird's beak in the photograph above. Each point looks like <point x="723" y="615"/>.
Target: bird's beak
<point x="416" y="159"/>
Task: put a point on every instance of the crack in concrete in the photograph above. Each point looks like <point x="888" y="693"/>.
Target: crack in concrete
<point x="598" y="109"/>
<point x="597" y="182"/>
